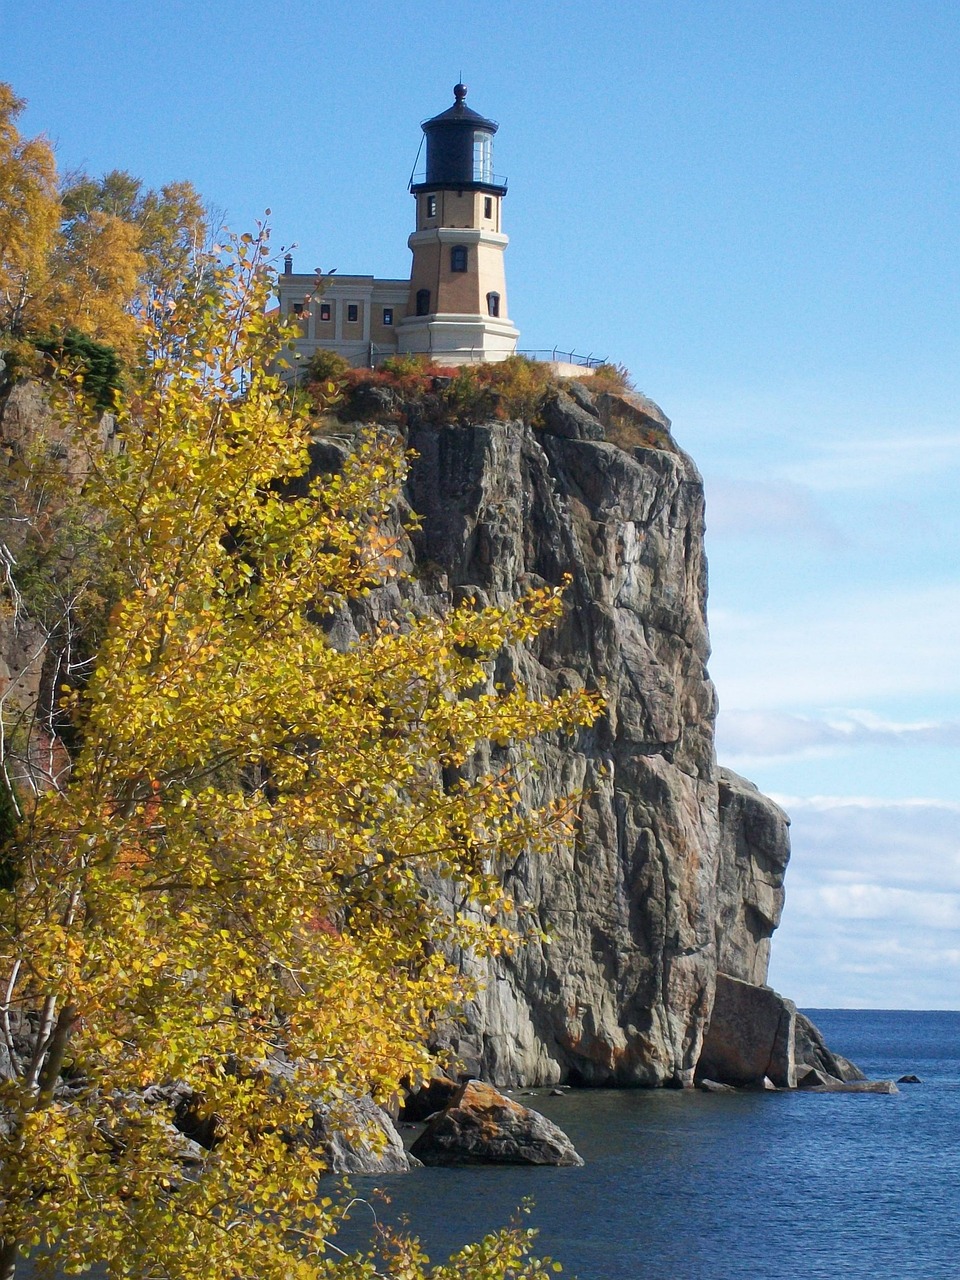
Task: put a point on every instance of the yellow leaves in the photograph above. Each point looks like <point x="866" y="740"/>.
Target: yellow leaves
<point x="29" y="216"/>
<point x="236" y="870"/>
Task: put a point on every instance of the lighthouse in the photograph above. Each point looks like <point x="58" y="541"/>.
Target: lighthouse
<point x="457" y="305"/>
<point x="453" y="309"/>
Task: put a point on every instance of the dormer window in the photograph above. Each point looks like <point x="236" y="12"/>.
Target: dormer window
<point x="458" y="257"/>
<point x="493" y="304"/>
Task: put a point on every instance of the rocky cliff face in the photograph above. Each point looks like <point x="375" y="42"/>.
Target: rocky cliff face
<point x="677" y="867"/>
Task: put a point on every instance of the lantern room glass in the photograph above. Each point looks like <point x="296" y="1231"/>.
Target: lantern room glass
<point x="482" y="156"/>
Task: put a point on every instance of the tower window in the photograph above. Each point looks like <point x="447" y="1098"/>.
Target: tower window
<point x="431" y="206"/>
<point x="488" y="206"/>
<point x="353" y="312"/>
<point x="493" y="304"/>
<point x="298" y="308"/>
<point x="423" y="302"/>
<point x="388" y="315"/>
<point x="324" y="310"/>
<point x="458" y="257"/>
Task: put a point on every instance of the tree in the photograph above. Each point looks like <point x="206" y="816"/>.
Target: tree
<point x="169" y="229"/>
<point x="94" y="255"/>
<point x="230" y="874"/>
<point x="29" y="217"/>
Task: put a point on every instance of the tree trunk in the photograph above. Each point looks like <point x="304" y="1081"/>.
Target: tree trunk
<point x="9" y="1253"/>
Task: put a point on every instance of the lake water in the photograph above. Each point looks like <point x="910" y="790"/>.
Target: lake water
<point x="765" y="1186"/>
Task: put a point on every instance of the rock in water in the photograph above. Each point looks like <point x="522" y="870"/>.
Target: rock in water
<point x="714" y="1086"/>
<point x="812" y="1054"/>
<point x="431" y="1096"/>
<point x="358" y="1137"/>
<point x="852" y="1086"/>
<point x="481" y="1126"/>
<point x="751" y="1036"/>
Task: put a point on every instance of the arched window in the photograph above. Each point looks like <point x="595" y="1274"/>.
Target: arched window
<point x="493" y="304"/>
<point x="423" y="302"/>
<point x="458" y="257"/>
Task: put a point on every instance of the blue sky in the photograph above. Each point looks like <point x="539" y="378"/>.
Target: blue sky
<point x="754" y="207"/>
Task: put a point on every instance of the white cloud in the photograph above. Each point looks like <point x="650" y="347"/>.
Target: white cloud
<point x="840" y="649"/>
<point x="739" y="507"/>
<point x="873" y="903"/>
<point x="873" y="461"/>
<point x="745" y="737"/>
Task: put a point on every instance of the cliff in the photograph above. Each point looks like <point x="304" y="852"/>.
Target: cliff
<point x="674" y="883"/>
<point x="676" y="872"/>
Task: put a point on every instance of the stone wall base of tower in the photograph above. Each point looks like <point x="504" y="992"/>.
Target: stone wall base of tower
<point x="457" y="339"/>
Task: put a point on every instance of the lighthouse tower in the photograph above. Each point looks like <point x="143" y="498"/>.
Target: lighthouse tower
<point x="457" y="307"/>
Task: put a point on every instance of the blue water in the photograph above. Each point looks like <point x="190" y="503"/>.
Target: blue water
<point x="770" y="1186"/>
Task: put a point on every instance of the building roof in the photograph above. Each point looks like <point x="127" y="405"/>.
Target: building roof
<point x="460" y="113"/>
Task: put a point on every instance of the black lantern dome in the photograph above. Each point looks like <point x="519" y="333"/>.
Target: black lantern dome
<point x="459" y="150"/>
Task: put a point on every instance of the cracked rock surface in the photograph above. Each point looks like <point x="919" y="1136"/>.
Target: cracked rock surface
<point x="673" y="862"/>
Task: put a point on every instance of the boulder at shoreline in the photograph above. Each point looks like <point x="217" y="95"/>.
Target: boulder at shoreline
<point x="481" y="1126"/>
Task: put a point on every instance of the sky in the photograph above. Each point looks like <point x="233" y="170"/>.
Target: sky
<point x="753" y="206"/>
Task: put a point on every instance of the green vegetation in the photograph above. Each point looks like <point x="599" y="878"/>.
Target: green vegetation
<point x="98" y="366"/>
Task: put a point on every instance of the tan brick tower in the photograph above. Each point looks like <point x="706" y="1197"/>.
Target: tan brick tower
<point x="457" y="309"/>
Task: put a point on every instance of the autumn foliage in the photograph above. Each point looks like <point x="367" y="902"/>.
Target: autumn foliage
<point x="83" y="255"/>
<point x="230" y="873"/>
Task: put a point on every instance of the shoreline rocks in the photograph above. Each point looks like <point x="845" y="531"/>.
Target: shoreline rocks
<point x="481" y="1126"/>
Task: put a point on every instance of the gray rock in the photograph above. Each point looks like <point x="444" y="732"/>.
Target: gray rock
<point x="621" y="992"/>
<point x="812" y="1078"/>
<point x="909" y="1079"/>
<point x="481" y="1126"/>
<point x="848" y="1070"/>
<point x="357" y="1136"/>
<point x="754" y="852"/>
<point x="563" y="416"/>
<point x="640" y="407"/>
<point x="583" y="396"/>
<point x="367" y="402"/>
<point x="714" y="1086"/>
<point x="750" y="1036"/>
<point x="811" y="1052"/>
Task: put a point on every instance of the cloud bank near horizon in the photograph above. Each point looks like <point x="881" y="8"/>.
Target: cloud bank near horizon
<point x="872" y="918"/>
<point x="746" y="737"/>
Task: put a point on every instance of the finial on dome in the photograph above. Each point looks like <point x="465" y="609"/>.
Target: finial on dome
<point x="460" y="92"/>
